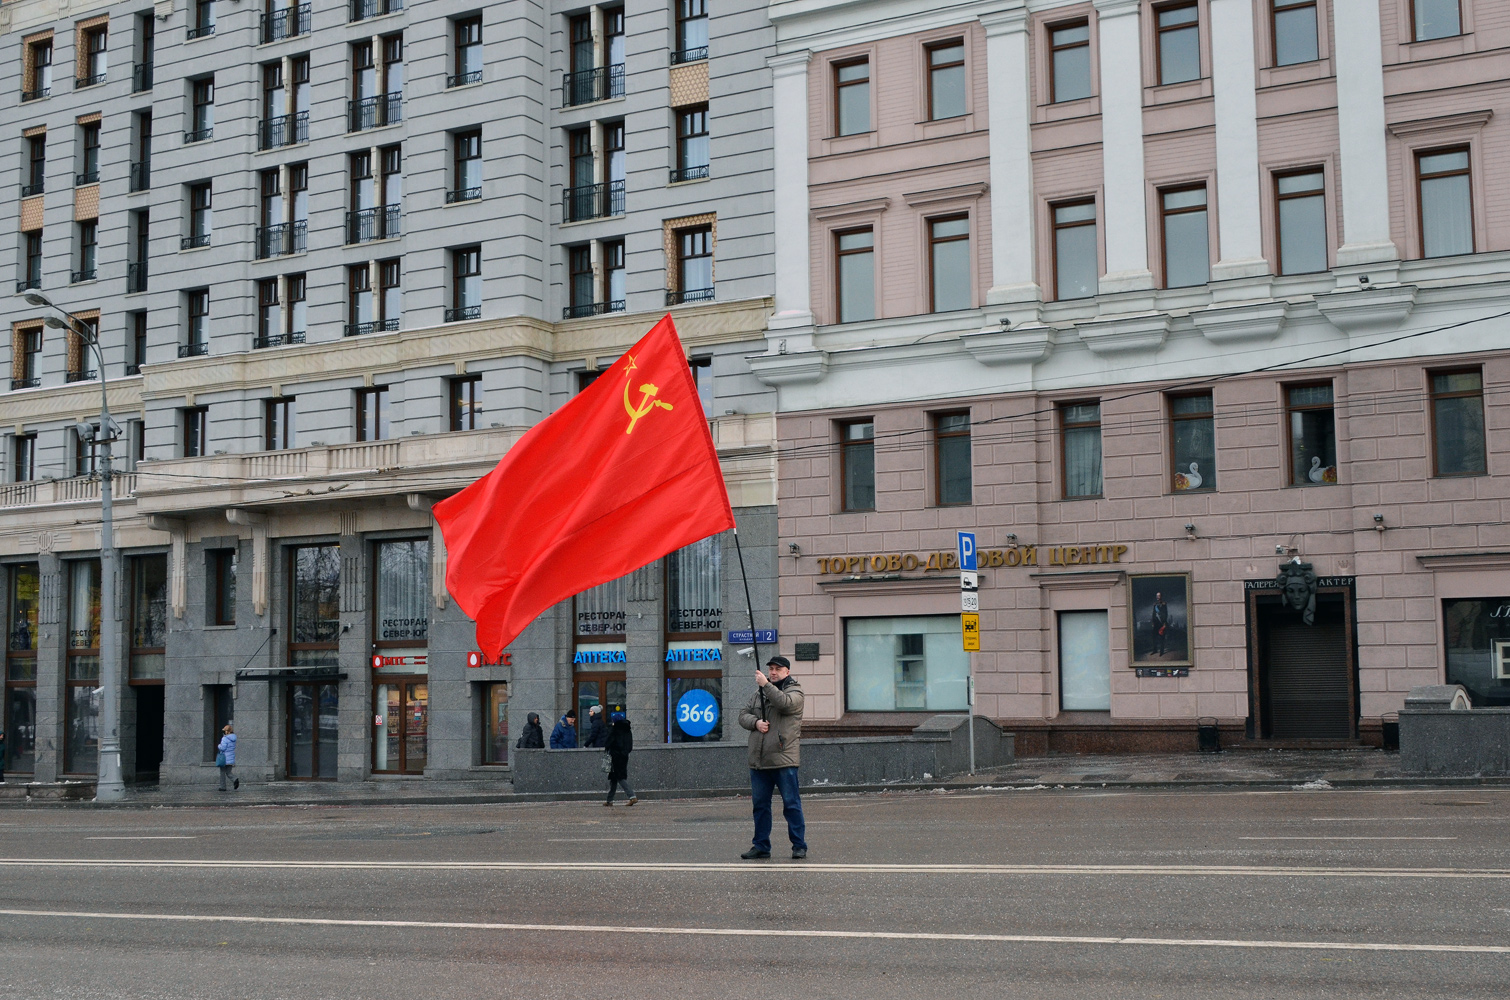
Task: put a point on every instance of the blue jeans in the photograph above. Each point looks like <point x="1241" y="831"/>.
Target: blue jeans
<point x="762" y="784"/>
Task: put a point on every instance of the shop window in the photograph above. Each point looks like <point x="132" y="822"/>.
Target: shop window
<point x="599" y="653"/>
<point x="694" y="596"/>
<point x="495" y="729"/>
<point x="857" y="459"/>
<point x="694" y="643"/>
<point x="949" y="264"/>
<point x="403" y="590"/>
<point x="1192" y="438"/>
<point x="1435" y="19"/>
<point x="313" y="706"/>
<point x="1187" y="260"/>
<point x="1301" y="205"/>
<point x="1446" y="200"/>
<point x="466" y="391"/>
<point x="1313" y="434"/>
<point x="1294" y="28"/>
<point x="855" y="275"/>
<point x="1075" y="250"/>
<point x="21" y="669"/>
<point x="1085" y="671"/>
<point x="600" y="611"/>
<point x="1070" y="56"/>
<point x="1477" y="634"/>
<point x="220" y="571"/>
<point x="946" y="79"/>
<point x="149" y="617"/>
<point x="1178" y="42"/>
<point x="852" y="97"/>
<point x="219" y="712"/>
<point x="1080" y="437"/>
<point x="1457" y="423"/>
<point x="81" y="724"/>
<point x="401" y="662"/>
<point x="905" y="665"/>
<point x="951" y="459"/>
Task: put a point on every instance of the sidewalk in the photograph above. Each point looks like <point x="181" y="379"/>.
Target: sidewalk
<point x="1274" y="769"/>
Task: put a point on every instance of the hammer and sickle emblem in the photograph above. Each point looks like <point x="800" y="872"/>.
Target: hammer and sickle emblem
<point x="647" y="403"/>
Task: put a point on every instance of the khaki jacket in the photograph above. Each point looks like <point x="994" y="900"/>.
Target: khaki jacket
<point x="782" y="708"/>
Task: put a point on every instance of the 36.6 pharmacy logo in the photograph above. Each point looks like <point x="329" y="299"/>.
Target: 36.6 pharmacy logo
<point x="697" y="713"/>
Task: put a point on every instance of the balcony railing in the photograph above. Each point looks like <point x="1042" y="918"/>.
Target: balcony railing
<point x="26" y="284"/>
<point x="462" y="79"/>
<point x="591" y="85"/>
<point x="690" y="55"/>
<point x="593" y="309"/>
<point x="80" y="376"/>
<point x="87" y="177"/>
<point x="27" y="190"/>
<point x="462" y="313"/>
<point x="35" y="95"/>
<point x="285" y="130"/>
<point x="284" y="238"/>
<point x="376" y="326"/>
<point x="194" y="242"/>
<point x="199" y="134"/>
<point x="71" y="490"/>
<point x="363" y="9"/>
<point x="374" y="112"/>
<point x="373" y="224"/>
<point x="278" y="340"/>
<point x="689" y="295"/>
<point x="592" y="201"/>
<point x="193" y="350"/>
<point x="199" y="31"/>
<point x="88" y="81"/>
<point x="286" y="23"/>
<point x="463" y="194"/>
<point x="136" y="277"/>
<point x="690" y="174"/>
<point x="141" y="175"/>
<point x="133" y="368"/>
<point x="141" y="77"/>
<point x="85" y="274"/>
<point x="25" y="383"/>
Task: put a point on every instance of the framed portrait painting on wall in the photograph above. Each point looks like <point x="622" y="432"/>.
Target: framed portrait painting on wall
<point x="1159" y="619"/>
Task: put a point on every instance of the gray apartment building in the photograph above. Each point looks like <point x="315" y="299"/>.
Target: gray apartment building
<point x="338" y="257"/>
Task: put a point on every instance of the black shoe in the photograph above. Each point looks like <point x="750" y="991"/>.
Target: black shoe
<point x="754" y="853"/>
<point x="798" y="853"/>
<point x="236" y="784"/>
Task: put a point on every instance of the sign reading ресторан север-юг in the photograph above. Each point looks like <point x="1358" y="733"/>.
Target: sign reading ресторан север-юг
<point x="944" y="562"/>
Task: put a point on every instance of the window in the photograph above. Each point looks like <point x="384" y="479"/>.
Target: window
<point x="613" y="156"/>
<point x="1435" y="19"/>
<point x="204" y="19"/>
<point x="149" y="617"/>
<point x="202" y="117"/>
<point x="372" y="414"/>
<point x="20" y="709"/>
<point x="393" y="76"/>
<point x="1070" y="57"/>
<point x="466" y="183"/>
<point x="1179" y="43"/>
<point x="136" y="268"/>
<point x="201" y="218"/>
<point x="852" y="97"/>
<point x="1187" y="261"/>
<point x="26" y="355"/>
<point x="138" y="328"/>
<point x="702" y="380"/>
<point x="1080" y="430"/>
<point x="1192" y="437"/>
<point x="691" y="31"/>
<point x="613" y="275"/>
<point x="694" y="624"/>
<point x="1085" y="667"/>
<point x="949" y="263"/>
<point x="1075" y="250"/>
<point x="314" y="632"/>
<point x="146" y="40"/>
<point x="269" y="313"/>
<point x="1294" y="28"/>
<point x="1446" y="201"/>
<point x="467" y="67"/>
<point x="951" y="459"/>
<point x="466" y="285"/>
<point x="93" y="57"/>
<point x="1301" y="201"/>
<point x="220" y="571"/>
<point x="855" y="275"/>
<point x="31" y="274"/>
<point x="89" y="154"/>
<point x="36" y="166"/>
<point x="82" y="707"/>
<point x="495" y="731"/>
<point x="580" y="280"/>
<point x="196" y="428"/>
<point x="695" y="264"/>
<point x="1477" y="644"/>
<point x="401" y="697"/>
<point x="24" y="458"/>
<point x="465" y="392"/>
<point x="141" y="167"/>
<point x="89" y="244"/>
<point x="857" y="462"/>
<point x="905" y="665"/>
<point x="278" y="423"/>
<point x="38" y="70"/>
<point x="199" y="321"/>
<point x="359" y="300"/>
<point x="298" y="308"/>
<point x="1313" y="436"/>
<point x="691" y="144"/>
<point x="392" y="160"/>
<point x="694" y="592"/>
<point x="298" y="193"/>
<point x="1457" y="423"/>
<point x="946" y="79"/>
<point x="390" y="294"/>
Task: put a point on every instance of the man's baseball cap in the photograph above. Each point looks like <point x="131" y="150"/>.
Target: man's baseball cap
<point x="779" y="661"/>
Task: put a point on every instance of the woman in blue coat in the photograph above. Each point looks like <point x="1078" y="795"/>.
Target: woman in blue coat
<point x="225" y="757"/>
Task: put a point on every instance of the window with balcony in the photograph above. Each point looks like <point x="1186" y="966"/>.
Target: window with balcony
<point x="1435" y="19"/>
<point x="36" y="166"/>
<point x="588" y="82"/>
<point x="466" y="391"/>
<point x="363" y="9"/>
<point x="613" y="275"/>
<point x="581" y="282"/>
<point x="1178" y="43"/>
<point x="196" y="431"/>
<point x="88" y="233"/>
<point x="89" y="154"/>
<point x="37" y="73"/>
<point x="203" y="23"/>
<point x="277" y="127"/>
<point x="466" y="178"/>
<point x="136" y="328"/>
<point x="269" y="314"/>
<point x="1076" y="265"/>
<point x="691" y="144"/>
<point x="372" y="414"/>
<point x="852" y="97"/>
<point x="375" y="212"/>
<point x="694" y="266"/>
<point x="1445" y="191"/>
<point x="857" y="465"/>
<point x="855" y="275"/>
<point x="466" y="285"/>
<point x="296" y="317"/>
<point x="376" y="86"/>
<point x="278" y="424"/>
<point x="1080" y="449"/>
<point x="466" y="66"/>
<point x="76" y="360"/>
<point x="282" y="19"/>
<point x="201" y="111"/>
<point x="146" y="52"/>
<point x="946" y="79"/>
<point x="1069" y="61"/>
<point x="201" y="217"/>
<point x="26" y="357"/>
<point x="198" y="341"/>
<point x="691" y="31"/>
<point x="1293" y="24"/>
<point x="140" y="228"/>
<point x="1300" y="200"/>
<point x="1187" y="259"/>
<point x="141" y="167"/>
<point x="31" y="261"/>
<point x="586" y="198"/>
<point x="93" y="56"/>
<point x="390" y="294"/>
<point x="359" y="303"/>
<point x="368" y="312"/>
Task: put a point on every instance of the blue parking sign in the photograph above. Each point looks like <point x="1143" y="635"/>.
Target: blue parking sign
<point x="967" y="551"/>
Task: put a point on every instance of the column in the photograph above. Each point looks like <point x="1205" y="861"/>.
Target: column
<point x="790" y="138"/>
<point x="1123" y="210"/>
<point x="1013" y="278"/>
<point x="1239" y="225"/>
<point x="1360" y="129"/>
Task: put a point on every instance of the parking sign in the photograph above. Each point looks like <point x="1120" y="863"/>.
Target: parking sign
<point x="967" y="551"/>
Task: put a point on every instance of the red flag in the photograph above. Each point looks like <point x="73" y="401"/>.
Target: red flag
<point x="618" y="477"/>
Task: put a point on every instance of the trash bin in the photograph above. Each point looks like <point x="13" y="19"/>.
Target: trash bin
<point x="1208" y="737"/>
<point x="1390" y="725"/>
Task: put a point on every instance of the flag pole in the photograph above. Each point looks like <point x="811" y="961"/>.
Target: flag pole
<point x="749" y="605"/>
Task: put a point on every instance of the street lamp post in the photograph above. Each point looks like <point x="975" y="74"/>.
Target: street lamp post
<point x="108" y="786"/>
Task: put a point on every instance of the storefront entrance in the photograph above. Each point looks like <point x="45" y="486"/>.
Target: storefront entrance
<point x="401" y="722"/>
<point x="608" y="690"/>
<point x="313" y="729"/>
<point x="1303" y="678"/>
<point x="149" y="730"/>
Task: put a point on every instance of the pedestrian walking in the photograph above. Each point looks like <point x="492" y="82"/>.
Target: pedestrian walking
<point x="533" y="737"/>
<point x="564" y="736"/>
<point x="597" y="728"/>
<point x="619" y="744"/>
<point x="774" y="719"/>
<point x="225" y="757"/>
<point x="2" y="756"/>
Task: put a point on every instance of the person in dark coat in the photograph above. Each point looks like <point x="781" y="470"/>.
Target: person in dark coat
<point x="597" y="729"/>
<point x="2" y="757"/>
<point x="564" y="736"/>
<point x="533" y="737"/>
<point x="620" y="744"/>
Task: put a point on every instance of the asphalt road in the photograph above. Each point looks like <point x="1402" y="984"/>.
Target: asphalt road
<point x="1033" y="894"/>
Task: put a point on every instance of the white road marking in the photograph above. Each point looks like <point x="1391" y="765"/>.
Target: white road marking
<point x="1320" y="837"/>
<point x="615" y="840"/>
<point x="1377" y="819"/>
<point x="141" y="838"/>
<point x="746" y="932"/>
<point x="828" y="868"/>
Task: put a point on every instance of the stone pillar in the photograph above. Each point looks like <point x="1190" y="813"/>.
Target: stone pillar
<point x="1360" y="129"/>
<point x="645" y="644"/>
<point x="51" y="641"/>
<point x="354" y="749"/>
<point x="1013" y="274"/>
<point x="1239" y="226"/>
<point x="1124" y="220"/>
<point x="793" y="319"/>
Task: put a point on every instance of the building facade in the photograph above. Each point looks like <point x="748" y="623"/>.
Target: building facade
<point x="338" y="257"/>
<point x="1194" y="312"/>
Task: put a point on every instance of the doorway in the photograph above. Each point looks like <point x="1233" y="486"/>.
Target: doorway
<point x="608" y="690"/>
<point x="313" y="729"/>
<point x="149" y="730"/>
<point x="1304" y="676"/>
<point x="401" y="724"/>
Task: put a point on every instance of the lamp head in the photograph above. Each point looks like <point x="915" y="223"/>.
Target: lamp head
<point x="36" y="298"/>
<point x="54" y="323"/>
